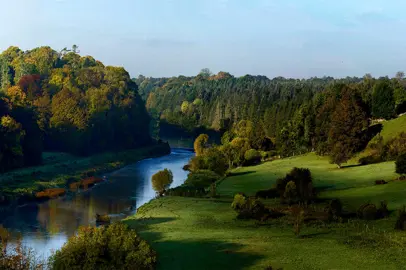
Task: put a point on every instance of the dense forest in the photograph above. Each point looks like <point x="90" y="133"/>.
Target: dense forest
<point x="60" y="101"/>
<point x="296" y="114"/>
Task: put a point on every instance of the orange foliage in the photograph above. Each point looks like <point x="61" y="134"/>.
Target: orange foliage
<point x="51" y="193"/>
<point x="85" y="183"/>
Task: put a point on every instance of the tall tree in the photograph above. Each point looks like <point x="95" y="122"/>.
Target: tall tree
<point x="348" y="121"/>
<point x="383" y="103"/>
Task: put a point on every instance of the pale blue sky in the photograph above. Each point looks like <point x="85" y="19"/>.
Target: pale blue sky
<point x="291" y="38"/>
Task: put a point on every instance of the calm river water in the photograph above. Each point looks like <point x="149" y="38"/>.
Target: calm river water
<point x="47" y="226"/>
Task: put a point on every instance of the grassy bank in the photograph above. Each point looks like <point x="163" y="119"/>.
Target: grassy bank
<point x="191" y="233"/>
<point x="60" y="170"/>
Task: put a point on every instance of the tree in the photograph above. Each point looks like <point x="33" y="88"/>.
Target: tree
<point x="400" y="75"/>
<point x="401" y="164"/>
<point x="347" y="124"/>
<point x="205" y="72"/>
<point x="383" y="103"/>
<point x="161" y="181"/>
<point x="200" y="144"/>
<point x="91" y="247"/>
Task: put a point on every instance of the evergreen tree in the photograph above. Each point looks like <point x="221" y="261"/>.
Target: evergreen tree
<point x="347" y="124"/>
<point x="383" y="103"/>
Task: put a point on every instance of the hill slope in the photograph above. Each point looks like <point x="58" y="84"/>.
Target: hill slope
<point x="191" y="233"/>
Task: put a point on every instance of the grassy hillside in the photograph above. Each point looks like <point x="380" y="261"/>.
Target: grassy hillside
<point x="190" y="233"/>
<point x="393" y="127"/>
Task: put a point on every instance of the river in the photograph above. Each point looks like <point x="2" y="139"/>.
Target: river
<point x="47" y="226"/>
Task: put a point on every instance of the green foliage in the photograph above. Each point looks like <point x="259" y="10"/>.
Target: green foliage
<point x="65" y="102"/>
<point x="401" y="164"/>
<point x="106" y="247"/>
<point x="302" y="191"/>
<point x="290" y="193"/>
<point x="248" y="208"/>
<point x="252" y="157"/>
<point x="383" y="103"/>
<point x="200" y="144"/>
<point x="161" y="181"/>
<point x="213" y="160"/>
<point x="201" y="179"/>
<point x="186" y="191"/>
<point x="347" y="124"/>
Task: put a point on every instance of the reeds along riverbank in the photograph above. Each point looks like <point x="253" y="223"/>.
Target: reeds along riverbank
<point x="77" y="173"/>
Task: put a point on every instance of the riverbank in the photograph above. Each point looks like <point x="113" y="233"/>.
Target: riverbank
<point x="62" y="170"/>
<point x="194" y="229"/>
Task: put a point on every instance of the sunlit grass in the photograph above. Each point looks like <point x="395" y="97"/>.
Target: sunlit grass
<point x="190" y="233"/>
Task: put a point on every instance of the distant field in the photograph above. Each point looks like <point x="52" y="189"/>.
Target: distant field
<point x="191" y="233"/>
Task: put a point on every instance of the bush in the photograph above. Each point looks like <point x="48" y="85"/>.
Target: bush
<point x="383" y="210"/>
<point x="267" y="194"/>
<point x="252" y="157"/>
<point x="367" y="211"/>
<point x="303" y="181"/>
<point x="105" y="247"/>
<point x="401" y="164"/>
<point x="185" y="191"/>
<point x="401" y="220"/>
<point x="380" y="182"/>
<point x="334" y="208"/>
<point x="373" y="159"/>
<point x="201" y="179"/>
<point x="248" y="208"/>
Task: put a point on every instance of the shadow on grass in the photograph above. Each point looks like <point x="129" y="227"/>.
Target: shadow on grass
<point x="241" y="173"/>
<point x="192" y="253"/>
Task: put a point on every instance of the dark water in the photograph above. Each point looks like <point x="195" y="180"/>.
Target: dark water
<point x="47" y="226"/>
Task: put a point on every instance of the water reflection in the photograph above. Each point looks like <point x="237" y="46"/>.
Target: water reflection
<point x="46" y="227"/>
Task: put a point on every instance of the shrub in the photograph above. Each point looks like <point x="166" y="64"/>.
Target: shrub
<point x="290" y="193"/>
<point x="303" y="181"/>
<point x="252" y="157"/>
<point x="248" y="208"/>
<point x="201" y="179"/>
<point x="16" y="257"/>
<point x="239" y="201"/>
<point x="373" y="159"/>
<point x="184" y="191"/>
<point x="367" y="211"/>
<point x="161" y="181"/>
<point x="401" y="164"/>
<point x="383" y="210"/>
<point x="335" y="208"/>
<point x="105" y="247"/>
<point x="267" y="194"/>
<point x="380" y="182"/>
<point x="401" y="220"/>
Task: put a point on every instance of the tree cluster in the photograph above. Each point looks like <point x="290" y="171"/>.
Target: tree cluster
<point x="60" y="101"/>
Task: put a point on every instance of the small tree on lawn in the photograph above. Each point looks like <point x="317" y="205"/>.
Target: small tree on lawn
<point x="401" y="164"/>
<point x="161" y="181"/>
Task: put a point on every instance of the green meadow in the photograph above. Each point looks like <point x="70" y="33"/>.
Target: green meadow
<point x="198" y="233"/>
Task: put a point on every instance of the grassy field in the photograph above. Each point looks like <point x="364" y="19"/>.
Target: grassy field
<point x="191" y="233"/>
<point x="393" y="127"/>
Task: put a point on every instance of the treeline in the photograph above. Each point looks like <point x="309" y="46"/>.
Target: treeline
<point x="60" y="101"/>
<point x="295" y="114"/>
